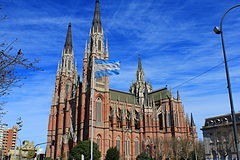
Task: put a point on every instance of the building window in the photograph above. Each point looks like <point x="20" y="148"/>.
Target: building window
<point x="99" y="109"/>
<point x="137" y="120"/>
<point x="67" y="89"/>
<point x="111" y="117"/>
<point x="69" y="65"/>
<point x="99" y="45"/>
<point x="128" y="120"/>
<point x="160" y="119"/>
<point x="119" y="118"/>
<point x="176" y="119"/>
<point x="109" y="142"/>
<point x="169" y="119"/>
<point x="127" y="147"/>
<point x="136" y="147"/>
<point x="99" y="142"/>
<point x="118" y="143"/>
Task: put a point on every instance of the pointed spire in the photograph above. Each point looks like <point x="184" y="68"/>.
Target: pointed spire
<point x="86" y="46"/>
<point x="146" y="95"/>
<point x="192" y="121"/>
<point x="106" y="51"/>
<point x="178" y="95"/>
<point x="139" y="63"/>
<point x="68" y="43"/>
<point x="97" y="23"/>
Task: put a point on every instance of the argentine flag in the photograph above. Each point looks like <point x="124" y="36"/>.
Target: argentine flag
<point x="105" y="68"/>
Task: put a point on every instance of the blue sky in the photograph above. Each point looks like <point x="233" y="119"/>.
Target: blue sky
<point x="174" y="37"/>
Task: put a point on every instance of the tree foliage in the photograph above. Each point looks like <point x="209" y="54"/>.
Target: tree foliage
<point x="30" y="155"/>
<point x="144" y="156"/>
<point x="113" y="154"/>
<point x="83" y="148"/>
<point x="178" y="148"/>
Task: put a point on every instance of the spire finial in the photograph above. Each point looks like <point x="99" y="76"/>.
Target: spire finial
<point x="139" y="62"/>
<point x="68" y="43"/>
<point x="97" y="24"/>
<point x="192" y="121"/>
<point x="178" y="95"/>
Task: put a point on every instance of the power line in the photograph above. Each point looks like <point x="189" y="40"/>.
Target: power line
<point x="214" y="67"/>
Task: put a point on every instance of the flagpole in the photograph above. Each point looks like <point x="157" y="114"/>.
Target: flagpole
<point x="93" y="83"/>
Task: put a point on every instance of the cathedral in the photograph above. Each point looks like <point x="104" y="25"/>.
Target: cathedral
<point x="131" y="121"/>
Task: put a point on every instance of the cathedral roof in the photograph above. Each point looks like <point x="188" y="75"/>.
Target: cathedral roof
<point x="159" y="94"/>
<point x="121" y="96"/>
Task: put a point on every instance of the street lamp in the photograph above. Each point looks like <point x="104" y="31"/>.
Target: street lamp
<point x="20" y="124"/>
<point x="220" y="31"/>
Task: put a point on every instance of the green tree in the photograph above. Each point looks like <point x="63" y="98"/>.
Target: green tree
<point x="144" y="156"/>
<point x="113" y="154"/>
<point x="83" y="147"/>
<point x="30" y="155"/>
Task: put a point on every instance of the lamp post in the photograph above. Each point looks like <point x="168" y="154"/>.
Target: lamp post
<point x="220" y="31"/>
<point x="20" y="149"/>
<point x="19" y="123"/>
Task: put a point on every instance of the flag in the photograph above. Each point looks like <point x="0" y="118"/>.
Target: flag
<point x="105" y="67"/>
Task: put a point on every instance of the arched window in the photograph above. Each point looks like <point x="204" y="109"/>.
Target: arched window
<point x="128" y="120"/>
<point x="169" y="119"/>
<point x="127" y="147"/>
<point x="119" y="118"/>
<point x="111" y="117"/>
<point x="137" y="120"/>
<point x="99" y="45"/>
<point x="176" y="119"/>
<point x="69" y="64"/>
<point x="109" y="142"/>
<point x="99" y="142"/>
<point x="118" y="143"/>
<point x="99" y="109"/>
<point x="136" y="147"/>
<point x="160" y="118"/>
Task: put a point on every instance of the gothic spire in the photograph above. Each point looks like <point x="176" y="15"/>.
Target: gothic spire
<point x="68" y="43"/>
<point x="97" y="23"/>
<point x="139" y="63"/>
<point x="178" y="95"/>
<point x="192" y="121"/>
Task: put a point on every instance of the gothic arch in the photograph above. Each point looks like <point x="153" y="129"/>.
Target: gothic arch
<point x="99" y="142"/>
<point x="128" y="147"/>
<point x="118" y="143"/>
<point x="99" y="104"/>
<point x="136" y="145"/>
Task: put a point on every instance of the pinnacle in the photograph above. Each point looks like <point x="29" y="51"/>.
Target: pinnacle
<point x="68" y="43"/>
<point x="97" y="24"/>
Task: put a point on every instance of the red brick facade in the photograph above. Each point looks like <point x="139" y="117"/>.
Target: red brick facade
<point x="131" y="121"/>
<point x="9" y="139"/>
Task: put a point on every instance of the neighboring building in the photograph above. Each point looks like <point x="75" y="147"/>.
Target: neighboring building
<point x="131" y="121"/>
<point x="23" y="151"/>
<point x="2" y="126"/>
<point x="9" y="139"/>
<point x="218" y="137"/>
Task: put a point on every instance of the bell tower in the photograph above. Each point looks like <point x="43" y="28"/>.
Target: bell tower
<point x="95" y="47"/>
<point x="66" y="84"/>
